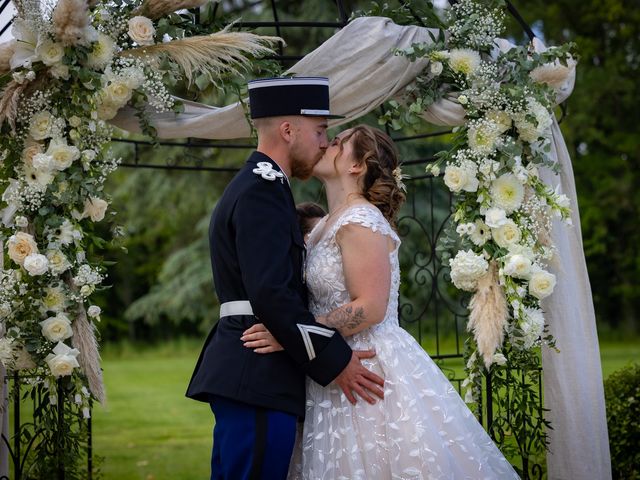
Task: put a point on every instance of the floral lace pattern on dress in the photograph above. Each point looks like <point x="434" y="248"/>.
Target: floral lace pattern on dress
<point x="421" y="430"/>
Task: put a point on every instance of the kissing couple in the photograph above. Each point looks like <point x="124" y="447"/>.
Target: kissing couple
<point x="308" y="373"/>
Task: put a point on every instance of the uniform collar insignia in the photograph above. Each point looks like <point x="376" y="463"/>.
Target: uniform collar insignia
<point x="266" y="170"/>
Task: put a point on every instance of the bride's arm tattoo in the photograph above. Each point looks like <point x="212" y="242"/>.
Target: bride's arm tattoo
<point x="345" y="318"/>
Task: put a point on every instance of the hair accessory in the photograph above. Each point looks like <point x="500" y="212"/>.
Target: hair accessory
<point x="398" y="175"/>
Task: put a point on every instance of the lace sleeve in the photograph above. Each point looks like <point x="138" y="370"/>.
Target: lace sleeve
<point x="367" y="216"/>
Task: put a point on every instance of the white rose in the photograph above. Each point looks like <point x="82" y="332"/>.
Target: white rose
<point x="86" y="290"/>
<point x="463" y="100"/>
<point x="36" y="264"/>
<point x="63" y="360"/>
<point x="495" y="217"/>
<point x="541" y="284"/>
<point x="507" y="234"/>
<point x="50" y="52"/>
<point x="58" y="262"/>
<point x="500" y="119"/>
<point x="40" y="125"/>
<point x="518" y="266"/>
<point x="94" y="208"/>
<point x="29" y="152"/>
<point x="106" y="110"/>
<point x="20" y="246"/>
<point x="56" y="329"/>
<point x="141" y="30"/>
<point x="436" y="68"/>
<point x="62" y="154"/>
<point x="117" y="93"/>
<point x="458" y="178"/>
<point x="94" y="311"/>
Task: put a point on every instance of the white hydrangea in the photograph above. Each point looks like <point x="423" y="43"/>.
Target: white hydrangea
<point x="466" y="268"/>
<point x="532" y="326"/>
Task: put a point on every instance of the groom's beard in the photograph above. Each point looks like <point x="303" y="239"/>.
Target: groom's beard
<point x="302" y="164"/>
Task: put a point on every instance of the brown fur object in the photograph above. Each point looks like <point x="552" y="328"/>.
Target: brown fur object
<point x="488" y="315"/>
<point x="155" y="9"/>
<point x="213" y="54"/>
<point x="84" y="339"/>
<point x="70" y="22"/>
<point x="9" y="102"/>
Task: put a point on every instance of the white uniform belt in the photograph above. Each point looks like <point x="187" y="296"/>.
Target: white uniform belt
<point x="238" y="307"/>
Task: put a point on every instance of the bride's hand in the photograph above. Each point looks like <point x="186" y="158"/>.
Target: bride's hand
<point x="260" y="339"/>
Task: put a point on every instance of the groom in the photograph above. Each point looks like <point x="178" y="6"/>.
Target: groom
<point x="257" y="256"/>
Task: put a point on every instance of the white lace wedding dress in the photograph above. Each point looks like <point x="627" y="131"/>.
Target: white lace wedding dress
<point x="421" y="430"/>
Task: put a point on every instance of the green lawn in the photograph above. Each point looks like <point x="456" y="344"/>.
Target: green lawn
<point x="150" y="431"/>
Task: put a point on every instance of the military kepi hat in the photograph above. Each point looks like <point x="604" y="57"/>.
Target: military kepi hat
<point x="273" y="97"/>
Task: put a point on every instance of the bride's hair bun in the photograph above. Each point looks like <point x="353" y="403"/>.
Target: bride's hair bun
<point x="380" y="184"/>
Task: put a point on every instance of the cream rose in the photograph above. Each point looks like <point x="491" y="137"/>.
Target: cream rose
<point x="40" y="125"/>
<point x="117" y="93"/>
<point x="36" y="264"/>
<point x="141" y="30"/>
<point x="495" y="217"/>
<point x="518" y="266"/>
<point x="507" y="234"/>
<point x="60" y="71"/>
<point x="56" y="329"/>
<point x="63" y="360"/>
<point x="541" y="284"/>
<point x="62" y="155"/>
<point x="94" y="208"/>
<point x="50" y="52"/>
<point x="29" y="152"/>
<point x="20" y="246"/>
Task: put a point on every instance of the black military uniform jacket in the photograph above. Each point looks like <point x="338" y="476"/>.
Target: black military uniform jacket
<point x="257" y="253"/>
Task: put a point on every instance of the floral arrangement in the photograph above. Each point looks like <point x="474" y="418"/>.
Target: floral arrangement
<point x="72" y="66"/>
<point x="499" y="243"/>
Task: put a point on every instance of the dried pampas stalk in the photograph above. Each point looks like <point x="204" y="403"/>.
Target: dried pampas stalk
<point x="211" y="54"/>
<point x="155" y="9"/>
<point x="9" y="100"/>
<point x="488" y="316"/>
<point x="84" y="339"/>
<point x="70" y="22"/>
<point x="6" y="52"/>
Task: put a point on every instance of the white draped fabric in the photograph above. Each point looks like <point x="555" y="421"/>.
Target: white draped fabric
<point x="363" y="73"/>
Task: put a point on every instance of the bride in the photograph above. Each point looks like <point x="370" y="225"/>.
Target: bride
<point x="421" y="429"/>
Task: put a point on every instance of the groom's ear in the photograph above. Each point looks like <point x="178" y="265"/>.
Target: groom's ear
<point x="285" y="129"/>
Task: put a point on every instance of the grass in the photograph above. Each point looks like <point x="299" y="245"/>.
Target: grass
<point x="150" y="431"/>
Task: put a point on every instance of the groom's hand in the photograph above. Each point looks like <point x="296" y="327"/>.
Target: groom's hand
<point x="356" y="378"/>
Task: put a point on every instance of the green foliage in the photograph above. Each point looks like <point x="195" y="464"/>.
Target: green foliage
<point x="622" y="395"/>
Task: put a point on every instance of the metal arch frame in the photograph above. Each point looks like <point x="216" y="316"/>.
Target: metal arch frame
<point x="428" y="271"/>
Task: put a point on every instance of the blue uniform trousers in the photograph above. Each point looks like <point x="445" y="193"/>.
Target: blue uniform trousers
<point x="250" y="443"/>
